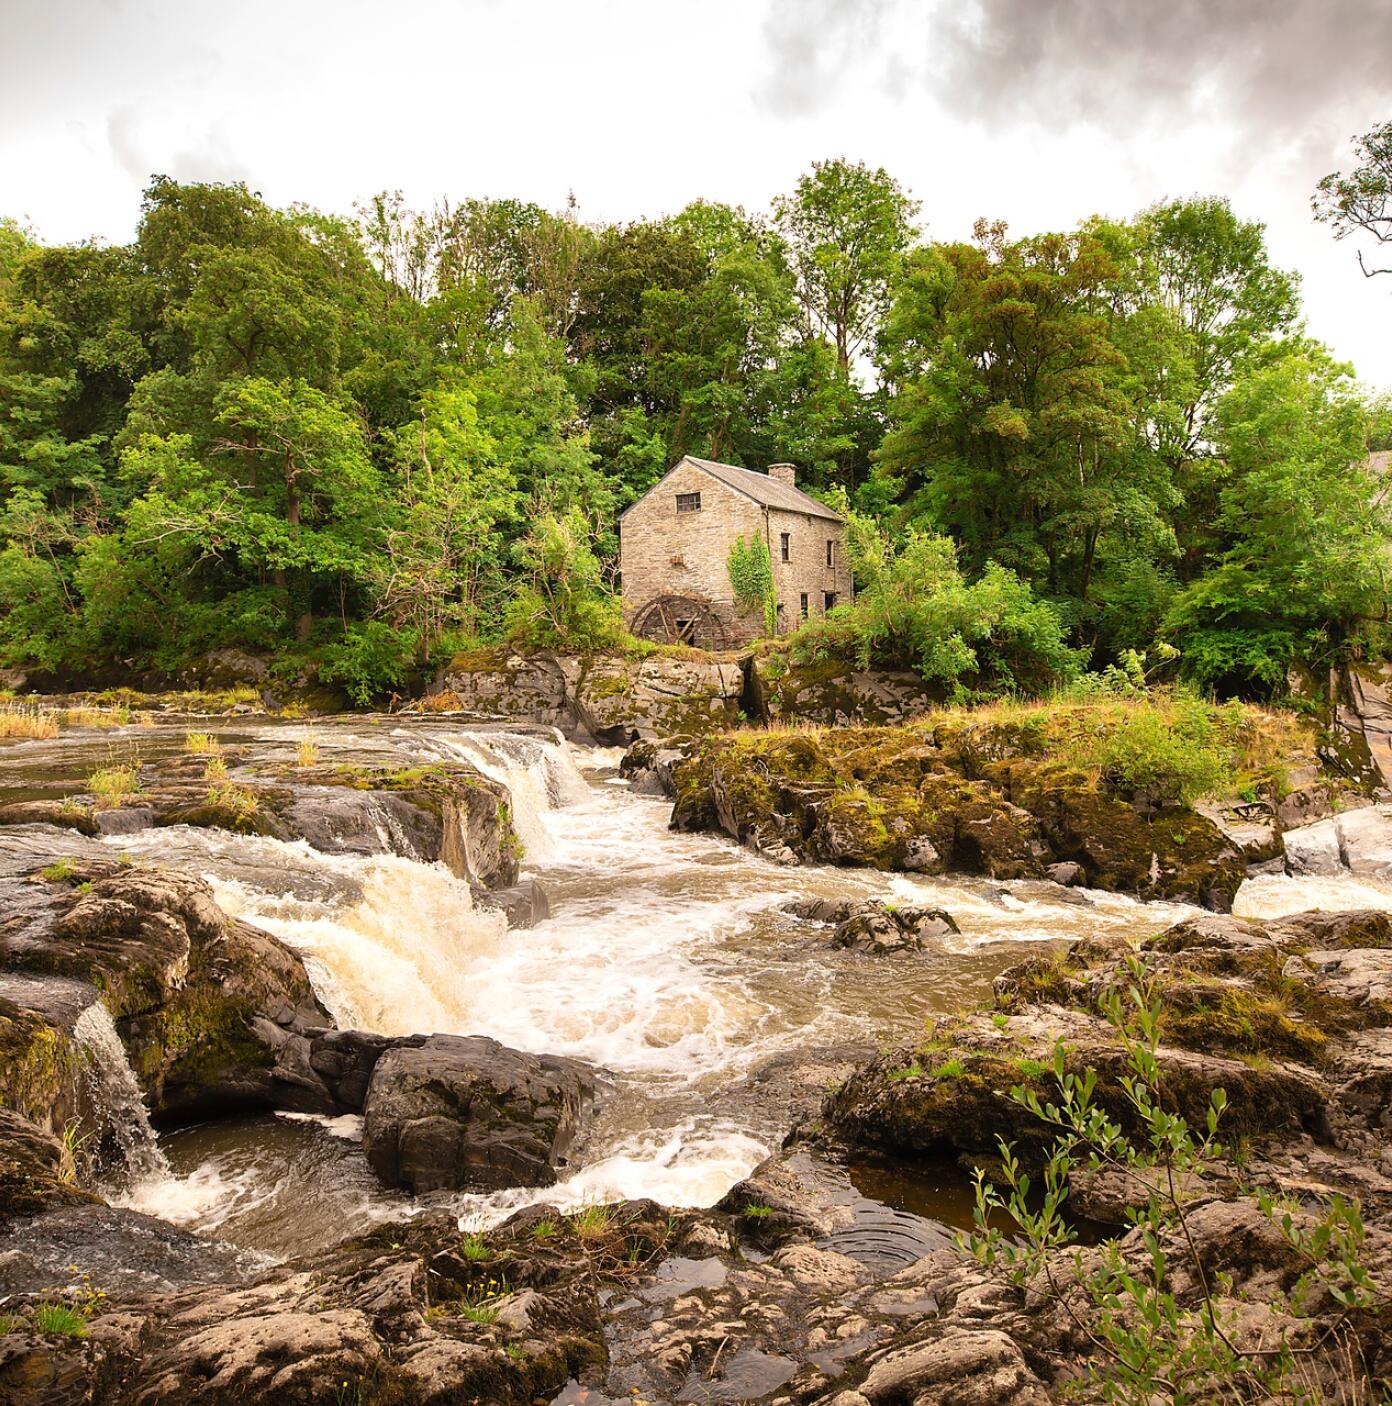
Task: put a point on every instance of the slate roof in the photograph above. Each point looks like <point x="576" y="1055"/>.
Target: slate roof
<point x="765" y="490"/>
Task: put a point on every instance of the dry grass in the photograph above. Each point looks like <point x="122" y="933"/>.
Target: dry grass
<point x="215" y="769"/>
<point x="83" y="716"/>
<point x="201" y="744"/>
<point x="33" y="723"/>
<point x="307" y="753"/>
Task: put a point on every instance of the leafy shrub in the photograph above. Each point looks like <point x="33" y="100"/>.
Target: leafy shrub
<point x="1175" y="755"/>
<point x="372" y="660"/>
<point x="562" y="602"/>
<point x="914" y="609"/>
<point x="1147" y="1344"/>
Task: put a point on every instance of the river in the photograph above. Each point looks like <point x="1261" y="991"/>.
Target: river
<point x="667" y="962"/>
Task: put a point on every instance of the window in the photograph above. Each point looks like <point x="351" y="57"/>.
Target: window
<point x="803" y="606"/>
<point x="831" y="551"/>
<point x="688" y="502"/>
<point x="784" y="546"/>
<point x="828" y="599"/>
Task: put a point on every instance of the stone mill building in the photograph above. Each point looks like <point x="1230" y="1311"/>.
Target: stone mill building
<point x="674" y="551"/>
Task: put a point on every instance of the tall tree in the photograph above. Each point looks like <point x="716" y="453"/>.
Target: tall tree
<point x="847" y="229"/>
<point x="1360" y="203"/>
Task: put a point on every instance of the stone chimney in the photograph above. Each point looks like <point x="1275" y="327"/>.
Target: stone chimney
<point x="784" y="473"/>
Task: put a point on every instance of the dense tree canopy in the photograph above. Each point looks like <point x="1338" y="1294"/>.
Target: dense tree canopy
<point x="361" y="443"/>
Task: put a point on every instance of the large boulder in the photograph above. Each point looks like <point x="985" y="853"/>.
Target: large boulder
<point x="202" y="1002"/>
<point x="980" y="800"/>
<point x="873" y="926"/>
<point x="400" y="1316"/>
<point x="835" y="693"/>
<point x="466" y="1112"/>
<point x="608" y="698"/>
<point x="445" y="811"/>
<point x="617" y="700"/>
<point x="1355" y="842"/>
<point x="501" y="684"/>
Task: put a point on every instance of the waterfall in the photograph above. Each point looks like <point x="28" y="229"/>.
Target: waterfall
<point x="114" y="1091"/>
<point x="539" y="772"/>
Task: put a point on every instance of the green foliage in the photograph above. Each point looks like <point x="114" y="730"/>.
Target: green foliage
<point x="914" y="608"/>
<point x="750" y="568"/>
<point x="1359" y="204"/>
<point x="1174" y="754"/>
<point x="59" y="1318"/>
<point x="371" y="659"/>
<point x="561" y="601"/>
<point x="356" y="442"/>
<point x="1293" y="433"/>
<point x="1149" y="1340"/>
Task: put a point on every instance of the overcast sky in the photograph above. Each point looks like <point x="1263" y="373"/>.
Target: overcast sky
<point x="1039" y="112"/>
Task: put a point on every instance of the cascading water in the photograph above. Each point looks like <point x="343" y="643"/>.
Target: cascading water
<point x="539" y="772"/>
<point x="126" y="1132"/>
<point x="667" y="961"/>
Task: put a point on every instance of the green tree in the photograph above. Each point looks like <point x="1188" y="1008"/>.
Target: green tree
<point x="560" y="601"/>
<point x="1012" y="427"/>
<point x="1359" y="204"/>
<point x="443" y="556"/>
<point x="847" y="229"/>
<point x="1300" y="570"/>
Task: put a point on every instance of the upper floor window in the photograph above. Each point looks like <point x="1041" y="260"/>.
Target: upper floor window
<point x="831" y="551"/>
<point x="784" y="546"/>
<point x="688" y="502"/>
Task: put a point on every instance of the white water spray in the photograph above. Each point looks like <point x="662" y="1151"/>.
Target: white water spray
<point x="114" y="1091"/>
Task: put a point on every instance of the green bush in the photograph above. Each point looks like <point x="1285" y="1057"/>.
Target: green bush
<point x="914" y="609"/>
<point x="1175" y="754"/>
<point x="562" y="603"/>
<point x="1150" y="1338"/>
<point x="371" y="660"/>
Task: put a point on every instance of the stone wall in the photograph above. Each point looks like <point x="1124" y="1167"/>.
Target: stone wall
<point x="663" y="552"/>
<point x="806" y="571"/>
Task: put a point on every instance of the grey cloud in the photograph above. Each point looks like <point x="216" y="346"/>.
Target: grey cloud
<point x="209" y="158"/>
<point x="809" y="43"/>
<point x="206" y="156"/>
<point x="122" y="134"/>
<point x="1273" y="65"/>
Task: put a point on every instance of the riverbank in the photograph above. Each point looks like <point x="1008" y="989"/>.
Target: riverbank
<point x="713" y="997"/>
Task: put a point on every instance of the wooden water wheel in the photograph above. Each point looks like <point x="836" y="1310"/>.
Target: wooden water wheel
<point x="679" y="620"/>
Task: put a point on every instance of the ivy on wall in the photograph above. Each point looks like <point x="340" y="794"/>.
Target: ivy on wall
<point x="751" y="577"/>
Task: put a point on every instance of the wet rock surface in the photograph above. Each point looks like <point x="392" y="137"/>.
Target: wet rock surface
<point x="466" y="1112"/>
<point x="202" y="1002"/>
<point x="872" y="926"/>
<point x="446" y="811"/>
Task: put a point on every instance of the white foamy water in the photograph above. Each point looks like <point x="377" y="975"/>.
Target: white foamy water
<point x="1279" y="895"/>
<point x="667" y="962"/>
<point x="114" y="1090"/>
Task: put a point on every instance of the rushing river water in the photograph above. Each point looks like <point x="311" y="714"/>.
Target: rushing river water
<point x="666" y="961"/>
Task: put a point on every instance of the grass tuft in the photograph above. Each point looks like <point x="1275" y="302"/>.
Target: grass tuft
<point x="35" y="724"/>
<point x="113" y="786"/>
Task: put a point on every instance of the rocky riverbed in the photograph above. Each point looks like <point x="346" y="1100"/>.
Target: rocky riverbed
<point x="602" y="1107"/>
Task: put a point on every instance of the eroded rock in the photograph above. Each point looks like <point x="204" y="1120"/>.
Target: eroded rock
<point x="466" y="1112"/>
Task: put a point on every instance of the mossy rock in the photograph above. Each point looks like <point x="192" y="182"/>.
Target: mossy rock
<point x="40" y="1068"/>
